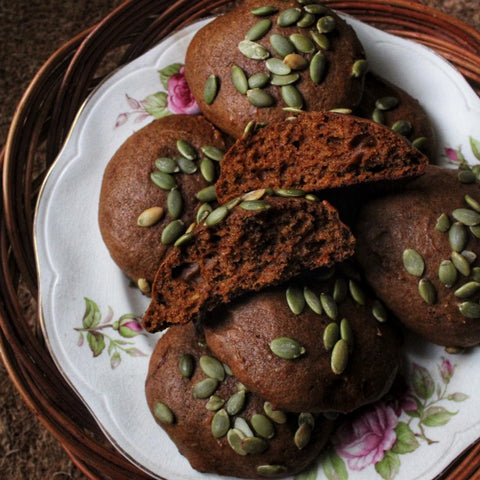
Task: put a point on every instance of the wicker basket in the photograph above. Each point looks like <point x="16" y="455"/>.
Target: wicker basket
<point x="38" y="130"/>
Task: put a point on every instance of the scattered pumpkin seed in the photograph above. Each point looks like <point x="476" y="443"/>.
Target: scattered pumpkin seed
<point x="346" y="332"/>
<point x="443" y="223"/>
<point x="329" y="305"/>
<point x="253" y="445"/>
<point x="321" y="40"/>
<point x="166" y="165"/>
<point x="289" y="16"/>
<point x="467" y="290"/>
<point x="466" y="176"/>
<point x="150" y="217"/>
<point x="311" y="197"/>
<point x="287" y="348"/>
<point x="289" y="192"/>
<point x="295" y="299"/>
<point x="469" y="255"/>
<point x="262" y="426"/>
<point x="277" y="67"/>
<point x="340" y="290"/>
<point x="344" y="111"/>
<point x="302" y="43"/>
<point x="255" y="205"/>
<point x="172" y="231"/>
<point x="476" y="274"/>
<point x="302" y="436"/>
<point x="318" y="68"/>
<point x="163" y="413"/>
<point x="186" y="166"/>
<point x="184" y="239"/>
<point x="378" y="116"/>
<point x="427" y="291"/>
<point x="239" y="79"/>
<point x="220" y="423"/>
<point x="330" y="336"/>
<point x="203" y="212"/>
<point x="339" y="359"/>
<point x="231" y="204"/>
<point x="264" y="10"/>
<point x="420" y="143"/>
<point x="259" y="30"/>
<point x="143" y="285"/>
<point x="275" y="415"/>
<point x="271" y="470"/>
<point x="236" y="402"/>
<point x="186" y="149"/>
<point x="466" y="216"/>
<point x="291" y="96"/>
<point x="174" y="203"/>
<point x="447" y="273"/>
<point x="472" y="203"/>
<point x="402" y="127"/>
<point x="306" y="21"/>
<point x="208" y="170"/>
<point x="258" y="80"/>
<point x="204" y="388"/>
<point x="359" y="68"/>
<point x="357" y="292"/>
<point x="295" y="61"/>
<point x="163" y="180"/>
<point x="214" y="403"/>
<point x="210" y="89"/>
<point x="457" y="236"/>
<point x="315" y="9"/>
<point x="475" y="230"/>
<point x="281" y="80"/>
<point x="253" y="50"/>
<point x="379" y="311"/>
<point x="207" y="194"/>
<point x="312" y="300"/>
<point x="386" y="103"/>
<point x="212" y="367"/>
<point x="259" y="98"/>
<point x="461" y="263"/>
<point x="306" y="417"/>
<point x="186" y="365"/>
<point x="234" y="438"/>
<point x="326" y="24"/>
<point x="470" y="309"/>
<point x="212" y="152"/>
<point x="281" y="45"/>
<point x="253" y="195"/>
<point x="216" y="216"/>
<point x="242" y="425"/>
<point x="413" y="262"/>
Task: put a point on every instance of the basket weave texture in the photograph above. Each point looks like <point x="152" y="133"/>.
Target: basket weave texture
<point x="39" y="128"/>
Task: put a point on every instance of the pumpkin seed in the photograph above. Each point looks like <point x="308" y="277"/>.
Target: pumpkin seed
<point x="207" y="194"/>
<point x="212" y="367"/>
<point x="253" y="50"/>
<point x="295" y="299"/>
<point x="379" y="311"/>
<point x="466" y="176"/>
<point x="271" y="470"/>
<point x="241" y="386"/>
<point x="255" y="205"/>
<point x="467" y="290"/>
<point x="339" y="359"/>
<point x="321" y="40"/>
<point x="203" y="212"/>
<point x="476" y="274"/>
<point x="236" y="402"/>
<point x="172" y="231"/>
<point x="163" y="180"/>
<point x="212" y="152"/>
<point x="413" y="262"/>
<point x="306" y="417"/>
<point x="457" y="236"/>
<point x="306" y="21"/>
<point x="208" y="170"/>
<point x="262" y="426"/>
<point x="214" y="403"/>
<point x="210" y="89"/>
<point x="469" y="255"/>
<point x="276" y="415"/>
<point x="302" y="43"/>
<point x="443" y="223"/>
<point x="344" y="111"/>
<point x="231" y="204"/>
<point x="216" y="216"/>
<point x="186" y="166"/>
<point x="326" y="24"/>
<point x="470" y="309"/>
<point x="357" y="292"/>
<point x="253" y="445"/>
<point x="461" y="263"/>
<point x="204" y="388"/>
<point x="330" y="336"/>
<point x="315" y="9"/>
<point x="329" y="306"/>
<point x="150" y="216"/>
<point x="174" y="203"/>
<point x="277" y="67"/>
<point x="318" y="68"/>
<point x="454" y="350"/>
<point x="312" y="300"/>
<point x="166" y="165"/>
<point x="184" y="239"/>
<point x="378" y="116"/>
<point x="386" y="103"/>
<point x="427" y="291"/>
<point x="302" y="435"/>
<point x="242" y="425"/>
<point x="264" y="10"/>
<point x="466" y="216"/>
<point x="475" y="230"/>
<point x="143" y="285"/>
<point x="253" y="195"/>
<point x="289" y="17"/>
<point x="186" y="365"/>
<point x="340" y="290"/>
<point x="360" y="68"/>
<point x="281" y="45"/>
<point x="186" y="149"/>
<point x="259" y="30"/>
<point x="289" y="192"/>
<point x="311" y="197"/>
<point x="281" y="80"/>
<point x="287" y="348"/>
<point x="291" y="96"/>
<point x="420" y="143"/>
<point x="220" y="423"/>
<point x="447" y="273"/>
<point x="259" y="98"/>
<point x="295" y="61"/>
<point x="234" y="438"/>
<point x="471" y="202"/>
<point x="346" y="332"/>
<point x="402" y="127"/>
<point x="239" y="79"/>
<point x="258" y="80"/>
<point x="163" y="413"/>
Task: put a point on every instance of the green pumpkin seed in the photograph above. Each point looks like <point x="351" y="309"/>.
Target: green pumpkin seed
<point x="216" y="216"/>
<point x="466" y="176"/>
<point x="467" y="290"/>
<point x="174" y="203"/>
<point x="302" y="43"/>
<point x="344" y="111"/>
<point x="258" y="80"/>
<point x="357" y="292"/>
<point x="466" y="216"/>
<point x="186" y="149"/>
<point x="379" y="311"/>
<point x="306" y="21"/>
<point x="302" y="436"/>
<point x="346" y="332"/>
<point x="212" y="367"/>
<point x="306" y="417"/>
<point x="447" y="273"/>
<point x="289" y="192"/>
<point x="476" y="274"/>
<point x="291" y="96"/>
<point x="203" y="212"/>
<point x="143" y="285"/>
<point x="472" y="203"/>
<point x="210" y="89"/>
<point x="330" y="336"/>
<point x="295" y="299"/>
<point x="281" y="45"/>
<point x="339" y="359"/>
<point x="262" y="426"/>
<point x="326" y="24"/>
<point x="172" y="231"/>
<point x="295" y="61"/>
<point x="264" y="10"/>
<point x="187" y="166"/>
<point x="163" y="180"/>
<point x="311" y="197"/>
<point x="470" y="309"/>
<point x="340" y="290"/>
<point x="329" y="306"/>
<point x="207" y="194"/>
<point x="402" y="127"/>
<point x="413" y="262"/>
<point x="234" y="438"/>
<point x="255" y="205"/>
<point x="287" y="348"/>
<point x="186" y="365"/>
<point x="443" y="223"/>
<point x="163" y="413"/>
<point x="253" y="50"/>
<point x="208" y="170"/>
<point x="239" y="79"/>
<point x="457" y="236"/>
<point x="321" y="40"/>
<point x="166" y="165"/>
<point x="242" y="425"/>
<point x="378" y="116"/>
<point x="318" y="68"/>
<point x="469" y="255"/>
<point x="360" y="68"/>
<point x="386" y="103"/>
<point x="312" y="300"/>
<point x="475" y="230"/>
<point x="212" y="152"/>
<point x="230" y="205"/>
<point x="204" y="388"/>
<point x="461" y="263"/>
<point x="150" y="217"/>
<point x="270" y="471"/>
<point x="427" y="291"/>
<point x="220" y="423"/>
<point x="275" y="415"/>
<point x="281" y="80"/>
<point x="214" y="403"/>
<point x="184" y="239"/>
<point x="315" y="9"/>
<point x="254" y="445"/>
<point x="236" y="402"/>
<point x="277" y="67"/>
<point x="259" y="98"/>
<point x="289" y="17"/>
<point x="420" y="143"/>
<point x="259" y="30"/>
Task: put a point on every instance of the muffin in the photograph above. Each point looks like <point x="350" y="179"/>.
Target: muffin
<point x="266" y="57"/>
<point x="150" y="183"/>
<point x="311" y="345"/>
<point x="218" y="425"/>
<point x="418" y="248"/>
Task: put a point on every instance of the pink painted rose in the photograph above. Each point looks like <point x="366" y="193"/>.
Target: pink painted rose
<point x="453" y="155"/>
<point x="446" y="370"/>
<point x="129" y="326"/>
<point x="180" y="99"/>
<point x="363" y="442"/>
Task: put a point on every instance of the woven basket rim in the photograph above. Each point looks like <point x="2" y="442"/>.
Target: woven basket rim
<point x="43" y="119"/>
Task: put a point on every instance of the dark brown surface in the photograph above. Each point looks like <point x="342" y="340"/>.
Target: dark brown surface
<point x="30" y="31"/>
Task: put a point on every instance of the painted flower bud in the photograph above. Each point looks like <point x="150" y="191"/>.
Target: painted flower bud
<point x="129" y="326"/>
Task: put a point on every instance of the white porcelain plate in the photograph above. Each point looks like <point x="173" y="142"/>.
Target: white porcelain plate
<point x="85" y="299"/>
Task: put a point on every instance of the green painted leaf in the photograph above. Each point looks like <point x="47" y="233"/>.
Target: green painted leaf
<point x="156" y="104"/>
<point x="135" y="352"/>
<point x="422" y="381"/>
<point x="389" y="466"/>
<point x="406" y="441"/>
<point x="475" y="145"/>
<point x="96" y="341"/>
<point x="167" y="72"/>
<point x="457" y="397"/>
<point x="308" y="474"/>
<point x="333" y="466"/>
<point x="115" y="360"/>
<point x="437" y="416"/>
<point x="92" y="315"/>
